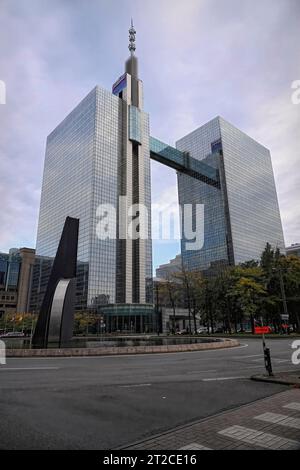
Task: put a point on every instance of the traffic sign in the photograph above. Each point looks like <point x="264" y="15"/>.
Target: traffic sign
<point x="284" y="317"/>
<point x="262" y="330"/>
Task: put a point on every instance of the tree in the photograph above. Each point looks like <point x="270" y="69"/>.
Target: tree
<point x="282" y="277"/>
<point x="172" y="293"/>
<point x="167" y="293"/>
<point x="288" y="268"/>
<point x="192" y="284"/>
<point x="267" y="260"/>
<point x="24" y="322"/>
<point x="250" y="264"/>
<point x="83" y="321"/>
<point x="248" y="291"/>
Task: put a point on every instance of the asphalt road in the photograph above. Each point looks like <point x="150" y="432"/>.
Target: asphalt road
<point x="107" y="402"/>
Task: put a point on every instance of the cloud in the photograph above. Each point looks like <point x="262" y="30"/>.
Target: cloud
<point x="277" y="125"/>
<point x="198" y="59"/>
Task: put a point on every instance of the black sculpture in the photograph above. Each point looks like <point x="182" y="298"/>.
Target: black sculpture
<point x="56" y="318"/>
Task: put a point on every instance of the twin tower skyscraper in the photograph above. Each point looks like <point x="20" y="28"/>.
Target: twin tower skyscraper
<point x="101" y="151"/>
<point x="99" y="155"/>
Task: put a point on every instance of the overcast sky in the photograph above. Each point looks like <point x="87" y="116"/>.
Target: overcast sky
<point x="198" y="59"/>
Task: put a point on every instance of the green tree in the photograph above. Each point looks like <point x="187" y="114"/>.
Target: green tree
<point x="288" y="267"/>
<point x="191" y="284"/>
<point x="245" y="292"/>
<point x="85" y="322"/>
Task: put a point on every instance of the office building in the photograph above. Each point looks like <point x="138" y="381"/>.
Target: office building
<point x="98" y="158"/>
<point x="241" y="214"/>
<point x="16" y="268"/>
<point x="165" y="271"/>
<point x="293" y="250"/>
<point x="97" y="154"/>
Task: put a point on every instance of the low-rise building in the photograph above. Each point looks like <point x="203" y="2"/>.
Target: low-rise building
<point x="15" y="280"/>
<point x="165" y="271"/>
<point x="294" y="250"/>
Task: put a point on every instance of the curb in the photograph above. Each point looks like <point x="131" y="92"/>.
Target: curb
<point x="284" y="379"/>
<point x="111" y="351"/>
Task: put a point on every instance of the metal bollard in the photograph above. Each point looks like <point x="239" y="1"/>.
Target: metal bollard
<point x="267" y="358"/>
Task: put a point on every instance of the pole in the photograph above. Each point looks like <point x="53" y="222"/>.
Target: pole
<point x="156" y="308"/>
<point x="285" y="308"/>
<point x="267" y="357"/>
<point x="31" y="333"/>
<point x="5" y="322"/>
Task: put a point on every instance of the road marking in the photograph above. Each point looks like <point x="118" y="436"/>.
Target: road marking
<point x="247" y="357"/>
<point x="254" y="367"/>
<point x="194" y="446"/>
<point x="7" y="369"/>
<point x="135" y="385"/>
<point x="293" y="406"/>
<point x="274" y="359"/>
<point x="225" y="378"/>
<point x="259" y="438"/>
<point x="281" y="420"/>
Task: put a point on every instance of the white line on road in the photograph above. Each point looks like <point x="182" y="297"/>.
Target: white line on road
<point x="225" y="378"/>
<point x="7" y="369"/>
<point x="254" y="367"/>
<point x="247" y="357"/>
<point x="274" y="359"/>
<point x="135" y="385"/>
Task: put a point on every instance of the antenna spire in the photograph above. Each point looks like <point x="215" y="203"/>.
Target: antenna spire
<point x="132" y="33"/>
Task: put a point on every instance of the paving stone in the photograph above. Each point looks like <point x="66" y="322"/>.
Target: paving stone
<point x="255" y="437"/>
<point x="293" y="406"/>
<point x="195" y="446"/>
<point x="253" y="426"/>
<point x="279" y="419"/>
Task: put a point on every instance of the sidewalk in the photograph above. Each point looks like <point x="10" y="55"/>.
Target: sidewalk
<point x="284" y="378"/>
<point x="272" y="423"/>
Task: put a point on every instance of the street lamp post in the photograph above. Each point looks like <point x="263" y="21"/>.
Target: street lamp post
<point x="283" y="296"/>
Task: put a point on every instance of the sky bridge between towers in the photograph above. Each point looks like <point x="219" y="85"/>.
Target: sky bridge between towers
<point x="183" y="162"/>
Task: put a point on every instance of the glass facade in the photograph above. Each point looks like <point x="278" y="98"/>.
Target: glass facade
<point x="130" y="318"/>
<point x="242" y="215"/>
<point x="215" y="249"/>
<point x="80" y="173"/>
<point x="101" y="151"/>
<point x="88" y="162"/>
<point x="10" y="264"/>
<point x="183" y="162"/>
<point x="252" y="198"/>
<point x="134" y="125"/>
<point x="146" y="193"/>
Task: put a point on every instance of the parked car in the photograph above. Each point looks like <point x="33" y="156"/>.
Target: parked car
<point x="202" y="330"/>
<point x="13" y="334"/>
<point x="182" y="332"/>
<point x="219" y="329"/>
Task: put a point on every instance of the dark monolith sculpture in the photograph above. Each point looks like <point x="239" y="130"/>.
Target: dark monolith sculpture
<point x="56" y="317"/>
